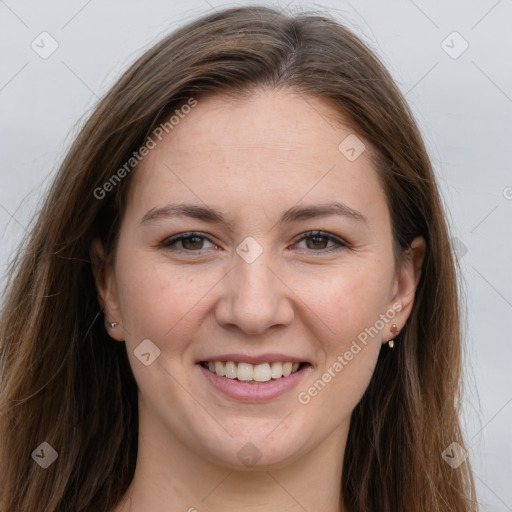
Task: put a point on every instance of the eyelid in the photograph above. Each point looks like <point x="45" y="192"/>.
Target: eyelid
<point x="322" y="234"/>
<point x="170" y="241"/>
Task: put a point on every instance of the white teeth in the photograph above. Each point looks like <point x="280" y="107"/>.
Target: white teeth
<point x="262" y="372"/>
<point x="218" y="368"/>
<point x="245" y="371"/>
<point x="277" y="370"/>
<point x="257" y="373"/>
<point x="230" y="370"/>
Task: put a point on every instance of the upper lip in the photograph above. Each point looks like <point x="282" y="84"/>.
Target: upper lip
<point x="254" y="359"/>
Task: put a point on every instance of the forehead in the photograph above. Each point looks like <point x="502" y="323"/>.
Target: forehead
<point x="279" y="120"/>
<point x="277" y="144"/>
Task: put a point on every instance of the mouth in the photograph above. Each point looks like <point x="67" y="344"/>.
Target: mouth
<point x="254" y="373"/>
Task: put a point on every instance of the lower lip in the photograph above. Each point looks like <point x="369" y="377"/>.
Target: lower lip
<point x="261" y="392"/>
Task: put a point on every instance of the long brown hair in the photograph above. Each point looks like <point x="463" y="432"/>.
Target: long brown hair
<point x="65" y="382"/>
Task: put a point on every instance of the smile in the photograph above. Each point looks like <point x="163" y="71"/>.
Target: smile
<point x="252" y="373"/>
<point x="253" y="383"/>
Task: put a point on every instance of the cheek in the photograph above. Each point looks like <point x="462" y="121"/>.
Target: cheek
<point x="348" y="299"/>
<point x="156" y="303"/>
<point x="346" y="305"/>
<point x="346" y="309"/>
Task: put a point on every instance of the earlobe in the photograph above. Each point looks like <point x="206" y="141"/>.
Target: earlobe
<point x="407" y="281"/>
<point x="410" y="271"/>
<point x="105" y="286"/>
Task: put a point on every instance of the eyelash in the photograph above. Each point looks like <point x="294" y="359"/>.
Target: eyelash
<point x="169" y="242"/>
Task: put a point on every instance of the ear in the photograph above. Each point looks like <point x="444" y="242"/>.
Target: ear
<point x="406" y="282"/>
<point x="106" y="287"/>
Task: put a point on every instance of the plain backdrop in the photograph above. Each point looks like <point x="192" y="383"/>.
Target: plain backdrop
<point x="462" y="101"/>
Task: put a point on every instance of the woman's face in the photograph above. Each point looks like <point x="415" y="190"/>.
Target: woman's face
<point x="252" y="286"/>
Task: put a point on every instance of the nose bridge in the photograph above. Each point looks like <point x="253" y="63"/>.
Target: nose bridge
<point x="253" y="298"/>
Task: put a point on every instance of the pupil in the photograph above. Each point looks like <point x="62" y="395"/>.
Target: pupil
<point x="316" y="238"/>
<point x="185" y="241"/>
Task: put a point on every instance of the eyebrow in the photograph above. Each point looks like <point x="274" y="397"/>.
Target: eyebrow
<point x="214" y="216"/>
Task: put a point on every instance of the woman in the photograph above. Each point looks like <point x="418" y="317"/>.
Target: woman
<point x="239" y="292"/>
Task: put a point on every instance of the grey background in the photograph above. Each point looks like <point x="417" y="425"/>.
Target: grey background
<point x="463" y="106"/>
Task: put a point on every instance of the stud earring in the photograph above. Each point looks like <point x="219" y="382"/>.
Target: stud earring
<point x="394" y="331"/>
<point x="113" y="324"/>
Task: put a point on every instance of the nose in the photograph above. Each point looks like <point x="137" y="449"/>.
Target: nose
<point x="254" y="297"/>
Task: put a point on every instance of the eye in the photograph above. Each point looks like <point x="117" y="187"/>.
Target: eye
<point x="190" y="242"/>
<point x="317" y="240"/>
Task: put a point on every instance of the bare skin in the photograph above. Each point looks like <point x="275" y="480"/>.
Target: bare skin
<point x="304" y="296"/>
